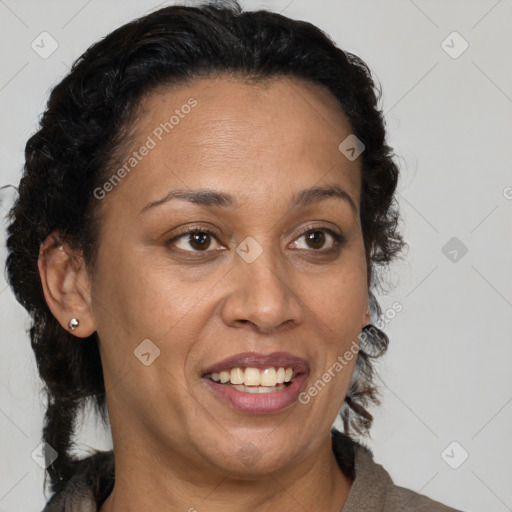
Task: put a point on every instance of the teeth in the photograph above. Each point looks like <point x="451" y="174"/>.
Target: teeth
<point x="236" y="376"/>
<point x="258" y="389"/>
<point x="251" y="377"/>
<point x="268" y="377"/>
<point x="240" y="377"/>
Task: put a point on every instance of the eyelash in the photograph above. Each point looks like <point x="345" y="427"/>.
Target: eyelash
<point x="339" y="239"/>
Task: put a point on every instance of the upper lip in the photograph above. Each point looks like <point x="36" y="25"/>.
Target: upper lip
<point x="260" y="361"/>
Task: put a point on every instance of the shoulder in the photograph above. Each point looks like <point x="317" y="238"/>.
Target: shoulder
<point x="373" y="488"/>
<point x="411" y="501"/>
<point x="88" y="488"/>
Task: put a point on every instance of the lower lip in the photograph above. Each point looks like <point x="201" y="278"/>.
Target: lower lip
<point x="260" y="403"/>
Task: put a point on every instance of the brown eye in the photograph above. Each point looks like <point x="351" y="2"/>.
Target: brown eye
<point x="194" y="240"/>
<point x="316" y="239"/>
<point x="199" y="241"/>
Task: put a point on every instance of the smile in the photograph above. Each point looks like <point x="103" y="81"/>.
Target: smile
<point x="255" y="380"/>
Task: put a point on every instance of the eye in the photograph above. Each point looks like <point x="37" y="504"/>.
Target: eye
<point x="316" y="239"/>
<point x="199" y="239"/>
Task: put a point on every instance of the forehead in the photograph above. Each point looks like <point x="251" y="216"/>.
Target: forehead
<point x="292" y="107"/>
<point x="224" y="133"/>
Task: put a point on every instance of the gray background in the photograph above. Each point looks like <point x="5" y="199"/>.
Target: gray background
<point x="446" y="377"/>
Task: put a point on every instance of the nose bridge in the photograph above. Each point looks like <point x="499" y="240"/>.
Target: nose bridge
<point x="263" y="293"/>
<point x="265" y="274"/>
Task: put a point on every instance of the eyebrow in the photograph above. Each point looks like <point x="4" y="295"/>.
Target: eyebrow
<point x="214" y="198"/>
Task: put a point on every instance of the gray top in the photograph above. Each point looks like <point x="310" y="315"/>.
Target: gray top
<point x="372" y="488"/>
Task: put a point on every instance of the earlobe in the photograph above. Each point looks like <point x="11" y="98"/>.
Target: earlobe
<point x="66" y="286"/>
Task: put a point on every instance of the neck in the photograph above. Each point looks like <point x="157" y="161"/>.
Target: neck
<point x="316" y="483"/>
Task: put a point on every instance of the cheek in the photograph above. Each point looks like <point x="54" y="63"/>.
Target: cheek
<point x="148" y="302"/>
<point x="327" y="389"/>
<point x="149" y="295"/>
<point x="340" y="303"/>
<point x="341" y="298"/>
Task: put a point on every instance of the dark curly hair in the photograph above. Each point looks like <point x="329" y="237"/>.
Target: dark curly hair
<point x="87" y="121"/>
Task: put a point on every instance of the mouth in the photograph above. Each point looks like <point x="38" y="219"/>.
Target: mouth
<point x="248" y="381"/>
<point x="255" y="380"/>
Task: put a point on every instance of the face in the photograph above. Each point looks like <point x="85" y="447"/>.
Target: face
<point x="264" y="272"/>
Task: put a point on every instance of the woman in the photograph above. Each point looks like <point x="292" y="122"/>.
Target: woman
<point x="200" y="224"/>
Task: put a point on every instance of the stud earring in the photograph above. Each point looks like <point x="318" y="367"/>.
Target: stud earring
<point x="73" y="324"/>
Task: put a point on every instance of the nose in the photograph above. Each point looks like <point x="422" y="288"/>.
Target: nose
<point x="263" y="295"/>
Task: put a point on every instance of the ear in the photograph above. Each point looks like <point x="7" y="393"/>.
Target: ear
<point x="66" y="285"/>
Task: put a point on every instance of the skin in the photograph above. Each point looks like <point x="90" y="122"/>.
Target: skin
<point x="177" y="446"/>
